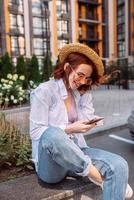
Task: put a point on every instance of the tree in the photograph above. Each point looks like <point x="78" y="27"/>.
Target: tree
<point x="7" y="65"/>
<point x="33" y="69"/>
<point x="0" y="68"/>
<point x="21" y="66"/>
<point x="47" y="68"/>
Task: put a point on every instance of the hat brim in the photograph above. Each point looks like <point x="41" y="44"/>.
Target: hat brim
<point x="85" y="50"/>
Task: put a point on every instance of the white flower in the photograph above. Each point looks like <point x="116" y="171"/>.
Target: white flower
<point x="20" y="88"/>
<point x="12" y="97"/>
<point x="6" y="99"/>
<point x="15" y="76"/>
<point x="22" y="77"/>
<point x="1" y="94"/>
<point x="15" y="101"/>
<point x="10" y="82"/>
<point x="21" y="93"/>
<point x="0" y="85"/>
<point x="31" y="82"/>
<point x="2" y="80"/>
<point x="34" y="86"/>
<point x="20" y="99"/>
<point x="5" y="81"/>
<point x="9" y="76"/>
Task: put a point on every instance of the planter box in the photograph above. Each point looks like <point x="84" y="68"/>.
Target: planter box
<point x="19" y="116"/>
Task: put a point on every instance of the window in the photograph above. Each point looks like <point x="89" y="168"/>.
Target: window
<point x="16" y="22"/>
<point x="61" y="43"/>
<point x="36" y="8"/>
<point x="18" y="45"/>
<point x="40" y="46"/>
<point x="121" y="49"/>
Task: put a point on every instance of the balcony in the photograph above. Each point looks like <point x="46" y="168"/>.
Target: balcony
<point x="42" y="34"/>
<point x="65" y="16"/>
<point x="15" y="31"/>
<point x="15" y="9"/>
<point x="93" y="2"/>
<point x="15" y="53"/>
<point x="120" y="2"/>
<point x="64" y="36"/>
<point x="85" y="36"/>
<point x="46" y="13"/>
<point x="92" y="17"/>
<point x="89" y="17"/>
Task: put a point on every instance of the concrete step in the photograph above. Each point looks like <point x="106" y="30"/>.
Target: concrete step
<point x="30" y="188"/>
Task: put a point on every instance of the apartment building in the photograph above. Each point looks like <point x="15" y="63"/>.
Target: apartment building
<point x="121" y="28"/>
<point x="41" y="27"/>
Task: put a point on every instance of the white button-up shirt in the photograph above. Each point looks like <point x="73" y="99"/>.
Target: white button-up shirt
<point x="48" y="109"/>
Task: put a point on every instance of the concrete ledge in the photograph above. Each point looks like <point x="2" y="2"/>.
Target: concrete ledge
<point x="30" y="188"/>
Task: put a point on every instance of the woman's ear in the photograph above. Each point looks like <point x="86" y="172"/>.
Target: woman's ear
<point x="66" y="66"/>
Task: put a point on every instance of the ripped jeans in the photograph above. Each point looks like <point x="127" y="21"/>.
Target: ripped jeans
<point x="58" y="154"/>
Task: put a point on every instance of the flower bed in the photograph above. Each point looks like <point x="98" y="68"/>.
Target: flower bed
<point x="13" y="92"/>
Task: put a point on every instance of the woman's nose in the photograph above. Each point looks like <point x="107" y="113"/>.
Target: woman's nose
<point x="82" y="81"/>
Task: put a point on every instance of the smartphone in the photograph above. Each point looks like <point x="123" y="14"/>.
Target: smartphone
<point x="95" y="120"/>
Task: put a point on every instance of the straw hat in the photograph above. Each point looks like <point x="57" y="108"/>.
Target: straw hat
<point x="85" y="50"/>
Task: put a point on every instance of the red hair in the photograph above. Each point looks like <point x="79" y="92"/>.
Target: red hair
<point x="75" y="59"/>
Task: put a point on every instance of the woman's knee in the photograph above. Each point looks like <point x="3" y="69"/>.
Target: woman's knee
<point x="121" y="164"/>
<point x="119" y="167"/>
<point x="52" y="134"/>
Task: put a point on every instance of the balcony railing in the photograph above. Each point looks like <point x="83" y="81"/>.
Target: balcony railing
<point x="119" y="2"/>
<point x="95" y="2"/>
<point x="88" y="36"/>
<point x="14" y="9"/>
<point x="15" y="31"/>
<point x="93" y="17"/>
<point x="64" y="36"/>
<point x="42" y="34"/>
<point x="65" y="16"/>
<point x="46" y="13"/>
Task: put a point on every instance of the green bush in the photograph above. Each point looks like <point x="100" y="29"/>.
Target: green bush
<point x="47" y="68"/>
<point x="33" y="72"/>
<point x="15" y="147"/>
<point x="6" y="66"/>
<point x="11" y="90"/>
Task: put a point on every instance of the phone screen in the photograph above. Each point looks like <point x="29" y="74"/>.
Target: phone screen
<point x="95" y="120"/>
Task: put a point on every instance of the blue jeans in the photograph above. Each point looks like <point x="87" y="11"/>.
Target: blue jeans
<point x="58" y="155"/>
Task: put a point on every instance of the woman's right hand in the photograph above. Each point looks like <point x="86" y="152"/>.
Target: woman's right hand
<point x="79" y="127"/>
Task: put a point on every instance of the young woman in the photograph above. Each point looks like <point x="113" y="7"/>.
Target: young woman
<point x="60" y="110"/>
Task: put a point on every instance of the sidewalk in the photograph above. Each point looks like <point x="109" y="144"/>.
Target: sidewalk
<point x="115" y="106"/>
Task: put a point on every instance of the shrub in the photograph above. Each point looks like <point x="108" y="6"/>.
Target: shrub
<point x="15" y="147"/>
<point x="33" y="72"/>
<point x="6" y="65"/>
<point x="21" y="69"/>
<point x="47" y="68"/>
<point x="11" y="90"/>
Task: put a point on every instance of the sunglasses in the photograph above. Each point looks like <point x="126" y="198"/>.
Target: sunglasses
<point x="80" y="76"/>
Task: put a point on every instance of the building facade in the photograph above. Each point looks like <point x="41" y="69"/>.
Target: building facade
<point x="42" y="27"/>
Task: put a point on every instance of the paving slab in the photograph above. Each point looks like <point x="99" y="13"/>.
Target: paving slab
<point x="30" y="188"/>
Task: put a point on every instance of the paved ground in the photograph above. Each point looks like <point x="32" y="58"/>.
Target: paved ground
<point x="114" y="105"/>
